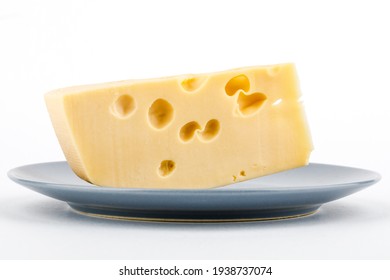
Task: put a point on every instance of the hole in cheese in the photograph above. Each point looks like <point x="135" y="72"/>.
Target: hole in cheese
<point x="192" y="83"/>
<point x="188" y="130"/>
<point x="240" y="82"/>
<point x="123" y="106"/>
<point x="242" y="173"/>
<point x="160" y="114"/>
<point x="211" y="130"/>
<point x="166" y="168"/>
<point x="250" y="104"/>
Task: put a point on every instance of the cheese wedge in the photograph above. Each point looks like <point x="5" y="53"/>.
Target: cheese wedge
<point x="183" y="132"/>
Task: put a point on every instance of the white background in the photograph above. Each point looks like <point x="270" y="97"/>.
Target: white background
<point x="341" y="51"/>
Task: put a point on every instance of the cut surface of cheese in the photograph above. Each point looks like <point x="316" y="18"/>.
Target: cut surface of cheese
<point x="183" y="132"/>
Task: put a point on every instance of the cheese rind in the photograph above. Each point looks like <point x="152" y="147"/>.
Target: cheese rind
<point x="184" y="132"/>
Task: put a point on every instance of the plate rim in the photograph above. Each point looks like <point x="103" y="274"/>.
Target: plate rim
<point x="89" y="187"/>
<point x="199" y="205"/>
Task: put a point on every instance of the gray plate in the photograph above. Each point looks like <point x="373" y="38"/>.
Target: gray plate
<point x="293" y="193"/>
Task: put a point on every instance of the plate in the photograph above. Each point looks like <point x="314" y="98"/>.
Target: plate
<point x="289" y="194"/>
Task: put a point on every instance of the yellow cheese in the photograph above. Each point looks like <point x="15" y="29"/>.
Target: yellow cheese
<point x="184" y="132"/>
